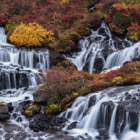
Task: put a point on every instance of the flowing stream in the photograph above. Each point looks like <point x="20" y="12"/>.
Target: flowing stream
<point x="20" y="75"/>
<point x="111" y="114"/>
<point x="102" y="50"/>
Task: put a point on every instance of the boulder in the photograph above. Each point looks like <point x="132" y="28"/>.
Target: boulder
<point x="44" y="122"/>
<point x="5" y="109"/>
<point x="31" y="110"/>
<point x="40" y="98"/>
<point x="72" y="125"/>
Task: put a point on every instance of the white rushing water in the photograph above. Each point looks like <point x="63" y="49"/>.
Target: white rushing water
<point x="21" y="74"/>
<point x="112" y="114"/>
<point x="119" y="57"/>
<point x="110" y="111"/>
<point x="25" y="58"/>
<point x="102" y="48"/>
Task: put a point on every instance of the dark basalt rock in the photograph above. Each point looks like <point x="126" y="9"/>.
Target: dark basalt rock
<point x="128" y="106"/>
<point x="72" y="125"/>
<point x="99" y="64"/>
<point x="14" y="79"/>
<point x="103" y="134"/>
<point x="109" y="109"/>
<point x="136" y="59"/>
<point x="45" y="122"/>
<point x="92" y="101"/>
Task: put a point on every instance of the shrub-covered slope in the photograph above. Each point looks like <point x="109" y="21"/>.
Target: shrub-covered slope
<point x="65" y="84"/>
<point x="69" y="20"/>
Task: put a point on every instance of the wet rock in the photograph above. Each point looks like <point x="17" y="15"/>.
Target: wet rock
<point x="92" y="101"/>
<point x="136" y="59"/>
<point x="134" y="108"/>
<point x="72" y="125"/>
<point x="99" y="64"/>
<point x="31" y="110"/>
<point x="107" y="109"/>
<point x="44" y="122"/>
<point x="103" y="132"/>
<point x="4" y="116"/>
<point x="40" y="98"/>
<point x="5" y="109"/>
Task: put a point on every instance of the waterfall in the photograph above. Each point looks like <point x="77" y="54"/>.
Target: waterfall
<point x="119" y="57"/>
<point x="103" y="50"/>
<point x="111" y="111"/>
<point x="112" y="122"/>
<point x="3" y="38"/>
<point x="21" y="74"/>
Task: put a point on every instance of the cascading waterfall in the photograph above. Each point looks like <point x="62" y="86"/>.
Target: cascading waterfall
<point x="102" y="50"/>
<point x="20" y="76"/>
<point x="108" y="114"/>
<point x="119" y="57"/>
<point x="25" y="58"/>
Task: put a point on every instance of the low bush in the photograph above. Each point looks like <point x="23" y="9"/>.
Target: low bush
<point x="31" y="35"/>
<point x="61" y="82"/>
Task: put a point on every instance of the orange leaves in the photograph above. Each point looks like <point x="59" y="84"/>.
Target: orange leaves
<point x="31" y="34"/>
<point x="61" y="82"/>
<point x="120" y="7"/>
<point x="62" y="2"/>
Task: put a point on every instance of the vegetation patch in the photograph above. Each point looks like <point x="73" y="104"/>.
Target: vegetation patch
<point x="69" y="20"/>
<point x="31" y="34"/>
<point x="64" y="85"/>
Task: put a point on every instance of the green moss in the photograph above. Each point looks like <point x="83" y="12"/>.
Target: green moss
<point x="10" y="25"/>
<point x="52" y="109"/>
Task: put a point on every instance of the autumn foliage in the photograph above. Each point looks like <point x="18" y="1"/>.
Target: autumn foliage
<point x="134" y="32"/>
<point x="65" y="84"/>
<point x="65" y="17"/>
<point x="30" y="35"/>
<point x="61" y="82"/>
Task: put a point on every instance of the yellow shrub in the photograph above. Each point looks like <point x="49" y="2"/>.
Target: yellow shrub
<point x="117" y="80"/>
<point x="31" y="34"/>
<point x="62" y="2"/>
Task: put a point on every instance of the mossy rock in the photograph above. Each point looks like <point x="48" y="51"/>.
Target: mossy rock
<point x="52" y="109"/>
<point x="31" y="110"/>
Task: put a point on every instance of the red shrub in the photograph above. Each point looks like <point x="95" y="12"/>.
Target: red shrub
<point x="61" y="82"/>
<point x="3" y="19"/>
<point x="110" y="75"/>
